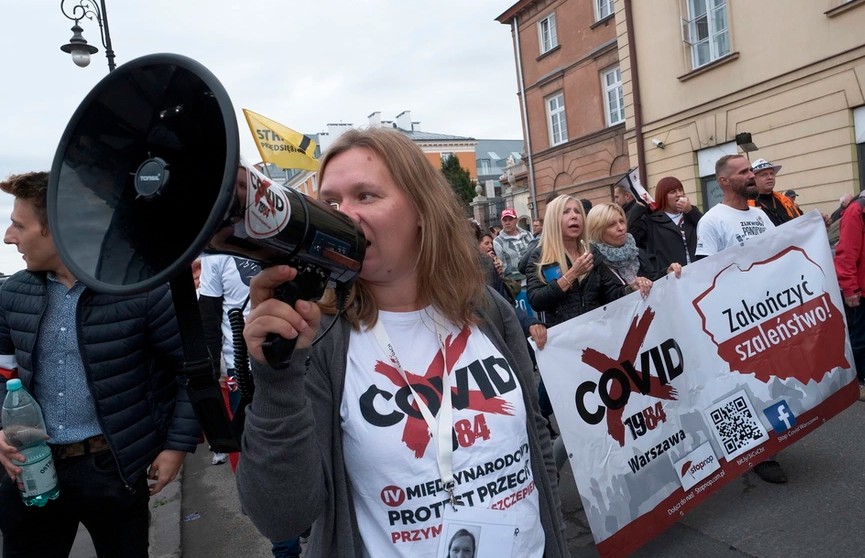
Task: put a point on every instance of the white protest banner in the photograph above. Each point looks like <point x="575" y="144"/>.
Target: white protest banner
<point x="660" y="401"/>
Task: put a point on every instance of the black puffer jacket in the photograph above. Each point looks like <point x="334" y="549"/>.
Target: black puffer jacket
<point x="130" y="348"/>
<point x="599" y="287"/>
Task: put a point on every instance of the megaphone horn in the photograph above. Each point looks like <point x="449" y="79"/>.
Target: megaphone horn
<point x="147" y="176"/>
<point x="145" y="179"/>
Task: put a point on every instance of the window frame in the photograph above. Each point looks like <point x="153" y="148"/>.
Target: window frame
<point x="556" y="118"/>
<point x="599" y="5"/>
<point x="717" y="31"/>
<point x="620" y="100"/>
<point x="550" y="22"/>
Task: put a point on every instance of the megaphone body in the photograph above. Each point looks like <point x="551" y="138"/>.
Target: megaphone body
<point x="147" y="176"/>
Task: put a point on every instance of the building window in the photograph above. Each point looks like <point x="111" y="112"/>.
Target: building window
<point x="547" y="33"/>
<point x="484" y="166"/>
<point x="556" y="119"/>
<point x="614" y="96"/>
<point x="859" y="131"/>
<point x="706" y="31"/>
<point x="706" y="159"/>
<point x="603" y="9"/>
<point x="445" y="155"/>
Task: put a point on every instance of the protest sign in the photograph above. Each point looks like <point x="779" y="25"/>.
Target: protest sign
<point x="661" y="401"/>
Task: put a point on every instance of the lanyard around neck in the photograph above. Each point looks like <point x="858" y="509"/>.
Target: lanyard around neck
<point x="440" y="429"/>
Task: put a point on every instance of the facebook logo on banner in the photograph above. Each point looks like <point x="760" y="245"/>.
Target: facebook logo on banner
<point x="780" y="416"/>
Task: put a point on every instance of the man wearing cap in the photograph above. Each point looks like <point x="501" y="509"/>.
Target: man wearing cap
<point x="509" y="246"/>
<point x="780" y="209"/>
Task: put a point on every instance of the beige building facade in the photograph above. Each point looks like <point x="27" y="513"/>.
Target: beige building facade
<point x="789" y="72"/>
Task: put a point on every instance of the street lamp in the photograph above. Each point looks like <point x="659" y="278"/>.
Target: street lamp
<point x="744" y="141"/>
<point x="77" y="45"/>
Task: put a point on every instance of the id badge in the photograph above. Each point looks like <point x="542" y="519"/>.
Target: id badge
<point x="480" y="533"/>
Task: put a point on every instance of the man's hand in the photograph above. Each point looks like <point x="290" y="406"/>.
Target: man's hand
<point x="852" y="301"/>
<point x="164" y="469"/>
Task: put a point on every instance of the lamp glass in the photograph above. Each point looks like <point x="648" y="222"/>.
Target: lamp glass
<point x="81" y="57"/>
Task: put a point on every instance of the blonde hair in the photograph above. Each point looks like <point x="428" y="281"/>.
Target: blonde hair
<point x="600" y="217"/>
<point x="552" y="243"/>
<point x="448" y="277"/>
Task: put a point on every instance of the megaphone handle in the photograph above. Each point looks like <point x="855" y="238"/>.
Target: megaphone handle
<point x="276" y="348"/>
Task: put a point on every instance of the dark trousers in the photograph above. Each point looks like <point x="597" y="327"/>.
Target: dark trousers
<point x="856" y="328"/>
<point x="92" y="493"/>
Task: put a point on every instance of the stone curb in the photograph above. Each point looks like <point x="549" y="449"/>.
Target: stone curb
<point x="165" y="536"/>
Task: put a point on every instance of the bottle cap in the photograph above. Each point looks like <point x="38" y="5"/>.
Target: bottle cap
<point x="13" y="385"/>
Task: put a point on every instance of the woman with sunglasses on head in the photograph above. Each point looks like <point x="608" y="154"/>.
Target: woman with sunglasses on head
<point x="608" y="231"/>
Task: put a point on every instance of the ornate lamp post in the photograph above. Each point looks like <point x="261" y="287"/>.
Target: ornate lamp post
<point x="77" y="46"/>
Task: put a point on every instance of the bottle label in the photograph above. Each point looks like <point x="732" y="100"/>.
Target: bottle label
<point x="38" y="474"/>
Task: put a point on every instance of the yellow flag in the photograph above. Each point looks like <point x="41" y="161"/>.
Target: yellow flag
<point x="281" y="145"/>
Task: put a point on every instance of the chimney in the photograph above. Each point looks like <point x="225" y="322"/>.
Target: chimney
<point x="375" y="119"/>
<point x="415" y="127"/>
<point x="403" y="120"/>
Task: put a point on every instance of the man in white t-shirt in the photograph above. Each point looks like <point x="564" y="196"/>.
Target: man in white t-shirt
<point x="732" y="222"/>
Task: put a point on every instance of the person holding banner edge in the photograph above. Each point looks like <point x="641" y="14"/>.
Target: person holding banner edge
<point x="607" y="227"/>
<point x="731" y="223"/>
<point x="419" y="308"/>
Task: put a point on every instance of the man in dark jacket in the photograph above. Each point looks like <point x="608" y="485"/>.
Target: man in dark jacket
<point x="103" y="369"/>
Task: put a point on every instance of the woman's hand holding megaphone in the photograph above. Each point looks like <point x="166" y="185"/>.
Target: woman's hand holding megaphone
<point x="269" y="315"/>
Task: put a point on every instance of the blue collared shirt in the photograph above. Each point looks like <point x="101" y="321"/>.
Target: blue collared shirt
<point x="59" y="379"/>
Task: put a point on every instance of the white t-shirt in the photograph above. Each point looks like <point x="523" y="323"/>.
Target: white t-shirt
<point x="390" y="457"/>
<point x="227" y="277"/>
<point x="724" y="226"/>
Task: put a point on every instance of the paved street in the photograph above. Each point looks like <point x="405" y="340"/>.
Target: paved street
<point x="212" y="525"/>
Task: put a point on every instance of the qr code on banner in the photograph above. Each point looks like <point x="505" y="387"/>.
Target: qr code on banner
<point x="736" y="425"/>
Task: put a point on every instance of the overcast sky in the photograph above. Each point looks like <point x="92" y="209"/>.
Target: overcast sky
<point x="303" y="64"/>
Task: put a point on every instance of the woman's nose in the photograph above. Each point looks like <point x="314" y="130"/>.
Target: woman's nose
<point x="350" y="210"/>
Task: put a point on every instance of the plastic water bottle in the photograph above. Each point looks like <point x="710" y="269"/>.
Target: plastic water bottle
<point x="25" y="429"/>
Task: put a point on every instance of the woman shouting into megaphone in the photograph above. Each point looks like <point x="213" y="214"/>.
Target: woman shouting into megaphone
<point x="419" y="405"/>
